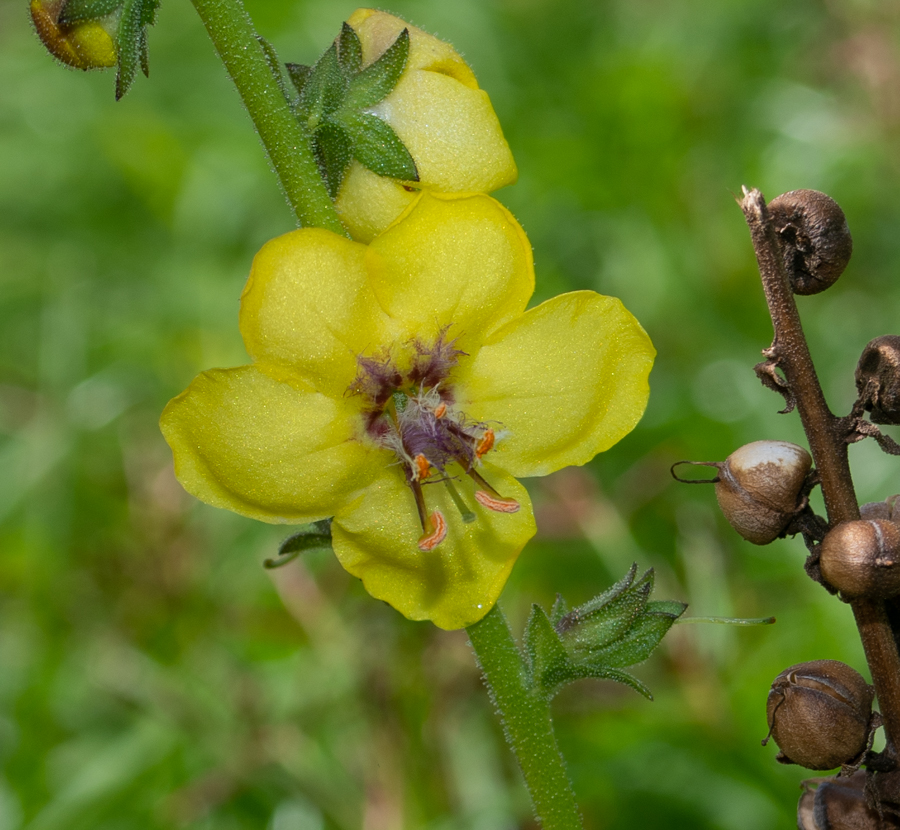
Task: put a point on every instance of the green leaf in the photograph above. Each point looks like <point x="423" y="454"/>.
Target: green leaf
<point x="77" y="10"/>
<point x="275" y="67"/>
<point x="667" y="606"/>
<point x="377" y="147"/>
<point x="372" y="84"/>
<point x="129" y="41"/>
<point x="349" y="51"/>
<point x="311" y="537"/>
<point x="638" y="644"/>
<point x="325" y="87"/>
<point x="547" y="658"/>
<point x="334" y="152"/>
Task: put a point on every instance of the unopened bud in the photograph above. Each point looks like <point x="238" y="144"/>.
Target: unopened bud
<point x="862" y="558"/>
<point x="815" y="240"/>
<point x="85" y="44"/>
<point x="819" y="714"/>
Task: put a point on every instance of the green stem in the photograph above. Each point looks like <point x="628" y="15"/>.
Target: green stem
<point x="525" y="713"/>
<point x="287" y="144"/>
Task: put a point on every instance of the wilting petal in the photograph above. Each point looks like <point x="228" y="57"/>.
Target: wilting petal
<point x="457" y="583"/>
<point x="259" y="442"/>
<point x="567" y="380"/>
<point x="458" y="261"/>
<point x="308" y="305"/>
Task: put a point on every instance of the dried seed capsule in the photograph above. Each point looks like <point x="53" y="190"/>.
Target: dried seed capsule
<point x="878" y="379"/>
<point x="819" y="714"/>
<point x="839" y="804"/>
<point x="759" y="486"/>
<point x="862" y="558"/>
<point x="815" y="240"/>
<point x="887" y="509"/>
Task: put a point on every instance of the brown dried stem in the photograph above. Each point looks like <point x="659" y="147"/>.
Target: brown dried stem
<point x="827" y="443"/>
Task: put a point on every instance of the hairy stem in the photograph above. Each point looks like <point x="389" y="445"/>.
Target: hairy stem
<point x="525" y="712"/>
<point x="828" y="446"/>
<point x="287" y="144"/>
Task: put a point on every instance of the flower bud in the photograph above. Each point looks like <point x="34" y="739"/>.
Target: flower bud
<point x="819" y="714"/>
<point x="815" y="240"/>
<point x="758" y="488"/>
<point x="878" y="379"/>
<point x="862" y="558"/>
<point x="85" y="44"/>
<point x="442" y="117"/>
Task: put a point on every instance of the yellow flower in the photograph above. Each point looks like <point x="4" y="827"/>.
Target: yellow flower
<point x="85" y="45"/>
<point x="400" y="387"/>
<point x="439" y="113"/>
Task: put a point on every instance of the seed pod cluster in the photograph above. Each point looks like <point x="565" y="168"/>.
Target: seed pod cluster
<point x="815" y="241"/>
<point x="759" y="486"/>
<point x="878" y="379"/>
<point x="819" y="714"/>
<point x="862" y="558"/>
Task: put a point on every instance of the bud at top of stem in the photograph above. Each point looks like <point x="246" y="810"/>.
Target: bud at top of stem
<point x="862" y="558"/>
<point x="819" y="714"/>
<point x="815" y="241"/>
<point x="84" y="44"/>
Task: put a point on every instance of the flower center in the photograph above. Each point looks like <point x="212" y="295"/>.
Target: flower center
<point x="410" y="409"/>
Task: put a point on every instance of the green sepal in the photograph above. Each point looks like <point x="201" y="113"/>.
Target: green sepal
<point x="641" y="639"/>
<point x="374" y="83"/>
<point x="314" y="536"/>
<point x="559" y="610"/>
<point x="334" y="152"/>
<point x="377" y="147"/>
<point x="608" y="616"/>
<point x="131" y="41"/>
<point x="543" y="648"/>
<point x="299" y="74"/>
<point x="325" y="87"/>
<point x="349" y="51"/>
<point x="275" y="67"/>
<point x="76" y="11"/>
<point x="607" y="673"/>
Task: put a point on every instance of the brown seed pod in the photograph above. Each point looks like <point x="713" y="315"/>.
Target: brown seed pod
<point x="887" y="509"/>
<point x="759" y="486"/>
<point x="819" y="714"/>
<point x="815" y="240"/>
<point x="840" y="803"/>
<point x="862" y="558"/>
<point x="878" y="379"/>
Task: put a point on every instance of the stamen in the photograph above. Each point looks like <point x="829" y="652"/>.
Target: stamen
<point x="435" y="532"/>
<point x="467" y="515"/>
<point x="440" y="410"/>
<point x="496" y="503"/>
<point x="423" y="467"/>
<point x="486" y="443"/>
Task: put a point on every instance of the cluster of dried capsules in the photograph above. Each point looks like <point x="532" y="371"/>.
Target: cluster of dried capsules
<point x="819" y="713"/>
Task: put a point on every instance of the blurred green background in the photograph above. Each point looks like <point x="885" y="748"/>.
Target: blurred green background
<point x="153" y="675"/>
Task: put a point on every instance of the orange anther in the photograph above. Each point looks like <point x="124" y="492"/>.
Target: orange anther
<point x="423" y="467"/>
<point x="438" y="532"/>
<point x="486" y="443"/>
<point x="496" y="503"/>
<point x="440" y="410"/>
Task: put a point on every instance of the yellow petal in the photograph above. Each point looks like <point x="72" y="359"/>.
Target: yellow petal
<point x="457" y="583"/>
<point x="446" y="122"/>
<point x="308" y="306"/>
<point x="261" y="443"/>
<point x="459" y="260"/>
<point x="567" y="380"/>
